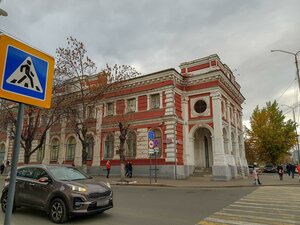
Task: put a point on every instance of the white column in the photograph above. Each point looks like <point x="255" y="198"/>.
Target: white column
<point x="229" y="128"/>
<point x="171" y="147"/>
<point x="188" y="146"/>
<point x="97" y="138"/>
<point x="220" y="167"/>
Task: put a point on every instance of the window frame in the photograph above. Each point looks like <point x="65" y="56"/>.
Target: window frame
<point x="110" y="112"/>
<point x="56" y="150"/>
<point x="90" y="147"/>
<point x="109" y="147"/>
<point x="155" y="101"/>
<point x="71" y="149"/>
<point x="130" y="108"/>
<point x="131" y="144"/>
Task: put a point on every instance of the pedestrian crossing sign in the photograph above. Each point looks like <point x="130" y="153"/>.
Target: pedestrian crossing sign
<point x="26" y="73"/>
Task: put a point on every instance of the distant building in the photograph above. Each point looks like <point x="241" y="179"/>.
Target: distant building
<point x="195" y="114"/>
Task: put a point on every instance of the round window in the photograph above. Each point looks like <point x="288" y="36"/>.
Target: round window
<point x="200" y="106"/>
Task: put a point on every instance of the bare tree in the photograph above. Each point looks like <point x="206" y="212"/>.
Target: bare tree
<point x="37" y="121"/>
<point x="77" y="71"/>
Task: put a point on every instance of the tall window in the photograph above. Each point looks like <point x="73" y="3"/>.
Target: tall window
<point x="110" y="108"/>
<point x="44" y="120"/>
<point x="54" y="150"/>
<point x="155" y="101"/>
<point x="31" y="121"/>
<point x="131" y="105"/>
<point x="2" y="152"/>
<point x="71" y="145"/>
<point x="90" y="147"/>
<point x="131" y="144"/>
<point x="109" y="147"/>
<point x="158" y="137"/>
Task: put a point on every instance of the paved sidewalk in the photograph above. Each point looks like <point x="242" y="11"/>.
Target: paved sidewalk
<point x="204" y="182"/>
<point x="271" y="179"/>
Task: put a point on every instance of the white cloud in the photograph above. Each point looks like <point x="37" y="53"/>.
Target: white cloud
<point x="159" y="34"/>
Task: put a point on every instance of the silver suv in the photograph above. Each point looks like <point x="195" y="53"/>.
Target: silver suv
<point x="59" y="190"/>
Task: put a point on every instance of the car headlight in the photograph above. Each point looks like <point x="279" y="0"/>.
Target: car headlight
<point x="77" y="188"/>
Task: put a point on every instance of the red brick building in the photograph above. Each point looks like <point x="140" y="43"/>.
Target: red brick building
<point x="195" y="114"/>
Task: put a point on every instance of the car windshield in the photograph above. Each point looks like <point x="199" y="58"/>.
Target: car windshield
<point x="67" y="173"/>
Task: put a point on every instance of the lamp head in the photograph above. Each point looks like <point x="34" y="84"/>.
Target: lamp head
<point x="3" y="13"/>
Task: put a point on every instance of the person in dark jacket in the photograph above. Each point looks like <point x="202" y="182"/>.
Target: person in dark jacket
<point x="130" y="169"/>
<point x="293" y="170"/>
<point x="288" y="170"/>
<point x="280" y="171"/>
<point x="127" y="169"/>
<point x="2" y="167"/>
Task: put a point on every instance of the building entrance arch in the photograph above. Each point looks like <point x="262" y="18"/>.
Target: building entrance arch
<point x="203" y="154"/>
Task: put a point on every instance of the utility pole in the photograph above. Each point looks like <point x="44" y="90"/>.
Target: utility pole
<point x="298" y="78"/>
<point x="298" y="151"/>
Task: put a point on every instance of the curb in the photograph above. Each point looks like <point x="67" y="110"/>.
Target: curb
<point x="135" y="183"/>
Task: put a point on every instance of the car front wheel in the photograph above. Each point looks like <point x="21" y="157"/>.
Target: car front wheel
<point x="58" y="211"/>
<point x="4" y="201"/>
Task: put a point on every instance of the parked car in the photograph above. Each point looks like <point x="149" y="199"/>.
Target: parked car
<point x="59" y="190"/>
<point x="270" y="168"/>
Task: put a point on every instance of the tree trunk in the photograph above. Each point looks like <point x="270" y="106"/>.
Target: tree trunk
<point x="84" y="157"/>
<point x="122" y="162"/>
<point x="26" y="158"/>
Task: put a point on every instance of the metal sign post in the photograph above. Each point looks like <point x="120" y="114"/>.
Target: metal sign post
<point x="26" y="76"/>
<point x="13" y="173"/>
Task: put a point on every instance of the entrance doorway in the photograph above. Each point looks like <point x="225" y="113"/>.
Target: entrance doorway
<point x="203" y="155"/>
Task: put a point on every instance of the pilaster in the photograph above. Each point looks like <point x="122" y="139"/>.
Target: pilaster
<point x="220" y="166"/>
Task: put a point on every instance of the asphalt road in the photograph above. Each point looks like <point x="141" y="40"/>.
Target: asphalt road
<point x="149" y="206"/>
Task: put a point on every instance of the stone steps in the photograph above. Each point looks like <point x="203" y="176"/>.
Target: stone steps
<point x="202" y="172"/>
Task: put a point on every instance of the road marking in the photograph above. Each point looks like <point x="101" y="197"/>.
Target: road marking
<point x="265" y="206"/>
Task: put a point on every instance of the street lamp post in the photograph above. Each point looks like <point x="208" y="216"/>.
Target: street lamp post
<point x="293" y="108"/>
<point x="296" y="62"/>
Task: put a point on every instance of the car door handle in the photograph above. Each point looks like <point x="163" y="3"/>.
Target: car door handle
<point x="31" y="184"/>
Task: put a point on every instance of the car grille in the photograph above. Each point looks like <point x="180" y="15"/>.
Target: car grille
<point x="96" y="195"/>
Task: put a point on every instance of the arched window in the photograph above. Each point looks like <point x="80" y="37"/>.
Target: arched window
<point x="90" y="147"/>
<point x="54" y="150"/>
<point x="131" y="144"/>
<point x="71" y="145"/>
<point x="158" y="137"/>
<point x="2" y="152"/>
<point x="109" y="147"/>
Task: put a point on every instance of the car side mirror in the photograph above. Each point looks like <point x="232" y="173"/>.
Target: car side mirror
<point x="44" y="180"/>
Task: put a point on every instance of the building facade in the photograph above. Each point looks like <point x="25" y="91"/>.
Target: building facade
<point x="195" y="115"/>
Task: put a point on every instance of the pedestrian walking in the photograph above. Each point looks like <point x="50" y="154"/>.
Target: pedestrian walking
<point x="256" y="175"/>
<point x="127" y="169"/>
<point x="288" y="169"/>
<point x="107" y="168"/>
<point x="293" y="170"/>
<point x="2" y="167"/>
<point x="298" y="169"/>
<point x="280" y="171"/>
<point x="130" y="169"/>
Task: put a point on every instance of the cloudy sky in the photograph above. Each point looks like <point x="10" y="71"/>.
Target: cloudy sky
<point x="152" y="35"/>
